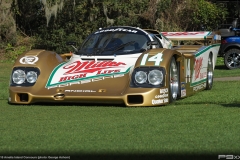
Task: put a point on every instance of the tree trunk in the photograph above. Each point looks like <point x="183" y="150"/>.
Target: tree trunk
<point x="7" y="22"/>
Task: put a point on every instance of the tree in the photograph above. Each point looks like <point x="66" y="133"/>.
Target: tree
<point x="7" y="23"/>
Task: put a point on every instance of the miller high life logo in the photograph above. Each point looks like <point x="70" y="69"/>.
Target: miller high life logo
<point x="81" y="69"/>
<point x="80" y="72"/>
<point x="198" y="66"/>
<point x="90" y="66"/>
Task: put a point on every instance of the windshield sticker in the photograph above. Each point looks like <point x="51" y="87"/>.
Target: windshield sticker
<point x="28" y="60"/>
<point x="78" y="72"/>
<point x="117" y="29"/>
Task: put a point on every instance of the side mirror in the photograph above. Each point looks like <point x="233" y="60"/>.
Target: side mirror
<point x="71" y="43"/>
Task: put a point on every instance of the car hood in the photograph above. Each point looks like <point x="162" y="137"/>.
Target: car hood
<point x="93" y="74"/>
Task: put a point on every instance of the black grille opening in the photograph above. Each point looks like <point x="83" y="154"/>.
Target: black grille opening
<point x="23" y="97"/>
<point x="135" y="99"/>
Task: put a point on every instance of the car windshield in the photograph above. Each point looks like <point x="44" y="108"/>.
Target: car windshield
<point x="112" y="43"/>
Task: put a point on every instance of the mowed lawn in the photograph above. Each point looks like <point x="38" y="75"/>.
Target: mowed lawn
<point x="205" y="123"/>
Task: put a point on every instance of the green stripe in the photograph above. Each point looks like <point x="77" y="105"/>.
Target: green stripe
<point x="53" y="72"/>
<point x="207" y="48"/>
<point x="209" y="33"/>
<point x="199" y="82"/>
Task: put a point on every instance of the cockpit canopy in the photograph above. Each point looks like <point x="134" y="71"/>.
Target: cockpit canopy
<point x="116" y="41"/>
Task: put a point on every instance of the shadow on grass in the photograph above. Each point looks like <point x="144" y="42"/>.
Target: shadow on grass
<point x="221" y="67"/>
<point x="67" y="104"/>
<point x="236" y="104"/>
<point x="231" y="105"/>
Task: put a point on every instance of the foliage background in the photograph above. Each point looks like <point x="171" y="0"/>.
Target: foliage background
<point x="48" y="24"/>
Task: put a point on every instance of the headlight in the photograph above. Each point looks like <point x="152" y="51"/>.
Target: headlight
<point x="148" y="77"/>
<point x="155" y="77"/>
<point x="18" y="76"/>
<point x="24" y="76"/>
<point x="141" y="77"/>
<point x="31" y="77"/>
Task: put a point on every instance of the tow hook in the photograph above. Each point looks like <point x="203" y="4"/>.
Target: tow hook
<point x="59" y="96"/>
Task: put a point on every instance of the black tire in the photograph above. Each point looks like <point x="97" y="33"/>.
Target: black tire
<point x="173" y="80"/>
<point x="232" y="59"/>
<point x="209" y="82"/>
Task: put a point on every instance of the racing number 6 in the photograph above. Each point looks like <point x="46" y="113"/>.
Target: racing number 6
<point x="157" y="59"/>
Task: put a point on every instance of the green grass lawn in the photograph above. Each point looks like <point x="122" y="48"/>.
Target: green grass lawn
<point x="207" y="122"/>
<point x="222" y="71"/>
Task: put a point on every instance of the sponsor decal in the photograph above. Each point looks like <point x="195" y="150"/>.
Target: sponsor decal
<point x="117" y="29"/>
<point x="161" y="96"/>
<point x="159" y="101"/>
<point x="183" y="33"/>
<point x="164" y="90"/>
<point x="198" y="66"/>
<point x="157" y="59"/>
<point x="80" y="72"/>
<point x="91" y="66"/>
<point x="203" y="75"/>
<point x="183" y="89"/>
<point x="28" y="60"/>
<point x="187" y="70"/>
<point x="84" y="81"/>
<point x="199" y="87"/>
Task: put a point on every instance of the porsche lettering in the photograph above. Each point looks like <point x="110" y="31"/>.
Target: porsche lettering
<point x="85" y="81"/>
<point x="198" y="87"/>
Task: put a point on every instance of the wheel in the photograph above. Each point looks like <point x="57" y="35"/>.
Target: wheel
<point x="173" y="80"/>
<point x="209" y="73"/>
<point x="232" y="59"/>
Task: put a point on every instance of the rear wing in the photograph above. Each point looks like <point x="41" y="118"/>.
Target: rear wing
<point x="205" y="36"/>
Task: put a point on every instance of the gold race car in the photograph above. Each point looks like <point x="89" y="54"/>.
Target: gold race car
<point x="118" y="65"/>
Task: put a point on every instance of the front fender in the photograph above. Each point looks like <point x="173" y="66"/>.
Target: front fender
<point x="44" y="61"/>
<point x="157" y="57"/>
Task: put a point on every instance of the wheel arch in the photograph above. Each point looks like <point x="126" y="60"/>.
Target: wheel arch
<point x="234" y="46"/>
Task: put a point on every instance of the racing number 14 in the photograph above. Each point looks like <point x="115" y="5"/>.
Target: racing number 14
<point x="157" y="59"/>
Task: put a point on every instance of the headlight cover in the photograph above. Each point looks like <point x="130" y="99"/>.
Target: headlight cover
<point x="31" y="77"/>
<point x="148" y="77"/>
<point x="18" y="76"/>
<point x="140" y="77"/>
<point x="155" y="77"/>
<point x="24" y="76"/>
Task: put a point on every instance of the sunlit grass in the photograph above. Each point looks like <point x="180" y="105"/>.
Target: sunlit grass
<point x="207" y="122"/>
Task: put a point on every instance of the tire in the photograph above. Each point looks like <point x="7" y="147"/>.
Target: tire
<point x="173" y="80"/>
<point x="209" y="82"/>
<point x="232" y="59"/>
